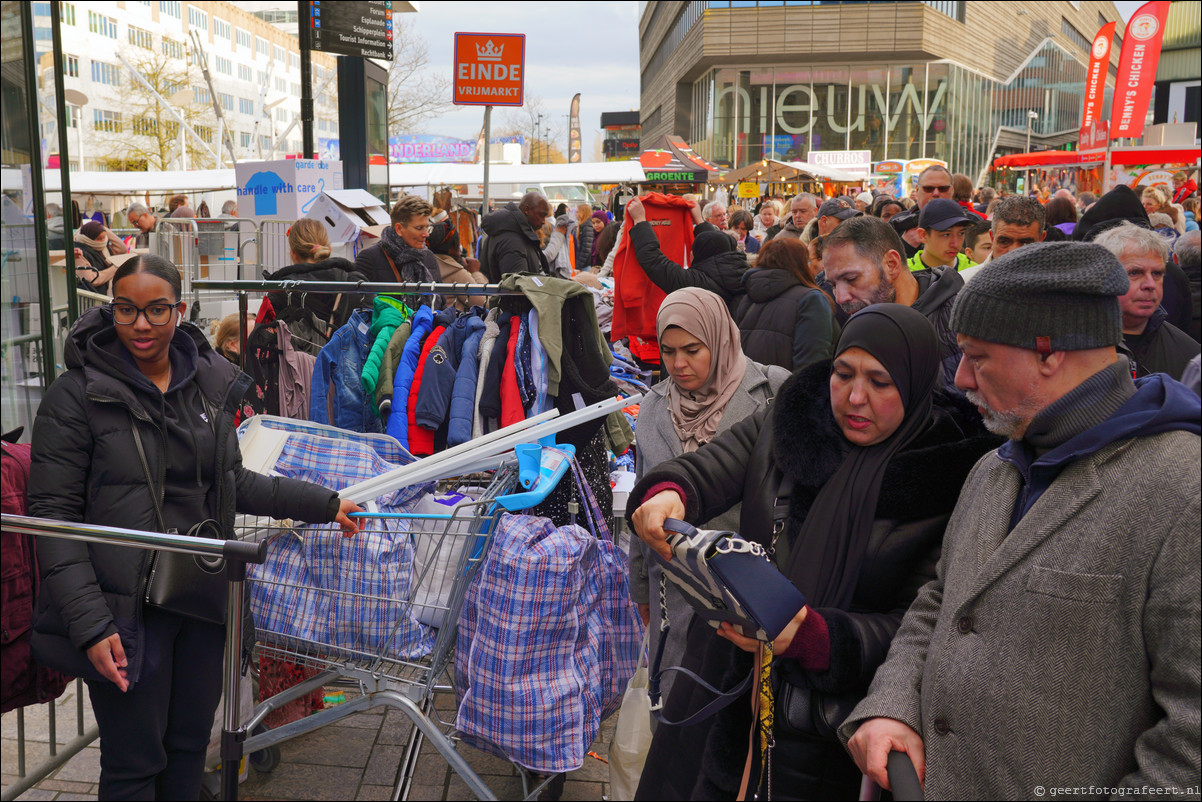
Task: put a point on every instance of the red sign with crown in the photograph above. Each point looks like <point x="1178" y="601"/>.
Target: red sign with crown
<point x="490" y="69"/>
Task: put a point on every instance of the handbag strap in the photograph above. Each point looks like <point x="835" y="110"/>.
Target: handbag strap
<point x="154" y="496"/>
<point x="722" y="699"/>
<point x="391" y="264"/>
<point x="594" y="517"/>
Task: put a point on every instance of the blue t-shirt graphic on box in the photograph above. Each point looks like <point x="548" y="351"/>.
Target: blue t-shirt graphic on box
<point x="264" y="187"/>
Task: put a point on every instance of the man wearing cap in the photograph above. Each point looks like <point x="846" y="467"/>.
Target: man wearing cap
<point x="1058" y="646"/>
<point x="833" y="212"/>
<point x="863" y="201"/>
<point x="941" y="227"/>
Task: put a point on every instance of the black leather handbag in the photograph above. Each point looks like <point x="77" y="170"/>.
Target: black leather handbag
<point x="185" y="584"/>
<point x="724" y="578"/>
<point x="811" y="713"/>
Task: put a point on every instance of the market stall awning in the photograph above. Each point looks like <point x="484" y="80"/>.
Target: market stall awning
<point x="773" y="170"/>
<point x="436" y="174"/>
<point x="1118" y="157"/>
<point x="674" y="162"/>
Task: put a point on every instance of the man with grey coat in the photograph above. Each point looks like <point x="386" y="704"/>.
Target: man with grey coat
<point x="1057" y="649"/>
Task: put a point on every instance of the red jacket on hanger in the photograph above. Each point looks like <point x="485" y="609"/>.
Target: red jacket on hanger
<point x="636" y="298"/>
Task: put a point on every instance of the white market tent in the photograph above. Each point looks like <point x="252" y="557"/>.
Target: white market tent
<point x="443" y="174"/>
<point x="131" y="183"/>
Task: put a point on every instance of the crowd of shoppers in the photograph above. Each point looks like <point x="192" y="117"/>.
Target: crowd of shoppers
<point x="957" y="428"/>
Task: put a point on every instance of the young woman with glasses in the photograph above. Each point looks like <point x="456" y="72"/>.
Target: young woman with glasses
<point x="154" y="677"/>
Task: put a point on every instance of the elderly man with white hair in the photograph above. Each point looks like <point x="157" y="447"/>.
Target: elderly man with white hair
<point x="1153" y="344"/>
<point x="715" y="214"/>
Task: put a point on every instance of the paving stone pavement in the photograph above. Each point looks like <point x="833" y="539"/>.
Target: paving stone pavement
<point x="357" y="758"/>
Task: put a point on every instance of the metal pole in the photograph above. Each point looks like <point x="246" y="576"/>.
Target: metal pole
<point x="1027" y="176"/>
<point x="306" y="70"/>
<point x="232" y="734"/>
<point x="64" y="162"/>
<point x="36" y="181"/>
<point x="487" y="139"/>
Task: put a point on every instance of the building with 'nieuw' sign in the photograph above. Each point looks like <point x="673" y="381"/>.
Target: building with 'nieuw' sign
<point x="954" y="81"/>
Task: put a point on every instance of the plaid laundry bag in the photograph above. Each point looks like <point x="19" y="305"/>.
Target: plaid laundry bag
<point x="547" y="640"/>
<point x="317" y="589"/>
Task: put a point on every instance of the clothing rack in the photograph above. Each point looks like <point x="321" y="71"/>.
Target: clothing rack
<point x="432" y="288"/>
<point x="359" y="287"/>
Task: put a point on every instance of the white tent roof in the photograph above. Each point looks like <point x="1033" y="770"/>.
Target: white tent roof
<point x="426" y="174"/>
<point x="829" y="173"/>
<point x="132" y="183"/>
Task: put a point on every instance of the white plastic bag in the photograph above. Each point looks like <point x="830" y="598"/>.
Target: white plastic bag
<point x="632" y="735"/>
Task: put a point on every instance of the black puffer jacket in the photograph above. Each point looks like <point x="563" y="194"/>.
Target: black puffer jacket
<point x="783" y="322"/>
<point x="512" y="245"/>
<point x="721" y="274"/>
<point x="1162" y="348"/>
<point x="313" y="317"/>
<point x="798" y="437"/>
<point x="584" y="244"/>
<point x="86" y="469"/>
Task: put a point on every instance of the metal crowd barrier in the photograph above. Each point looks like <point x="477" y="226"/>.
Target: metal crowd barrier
<point x="236" y="553"/>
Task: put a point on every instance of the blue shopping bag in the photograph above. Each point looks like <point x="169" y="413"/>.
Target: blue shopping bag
<point x="547" y="641"/>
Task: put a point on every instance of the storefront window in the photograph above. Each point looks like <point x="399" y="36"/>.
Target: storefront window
<point x="28" y="361"/>
<point x="933" y="123"/>
<point x="794" y="101"/>
<point x="830" y="109"/>
<point x="869" y="113"/>
<point x="726" y="102"/>
<point x="755" y="127"/>
<point x="907" y="85"/>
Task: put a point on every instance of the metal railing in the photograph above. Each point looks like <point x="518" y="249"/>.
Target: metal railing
<point x="236" y="554"/>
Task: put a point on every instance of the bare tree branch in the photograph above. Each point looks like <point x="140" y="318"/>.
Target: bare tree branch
<point x="415" y="94"/>
<point x="541" y="135"/>
<point x="148" y="136"/>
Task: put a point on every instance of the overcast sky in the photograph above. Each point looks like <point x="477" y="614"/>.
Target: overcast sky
<point x="591" y="48"/>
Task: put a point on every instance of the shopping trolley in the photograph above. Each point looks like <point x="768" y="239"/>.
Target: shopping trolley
<point x="379" y="609"/>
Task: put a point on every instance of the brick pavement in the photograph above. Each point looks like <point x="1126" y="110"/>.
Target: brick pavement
<point x="356" y="758"/>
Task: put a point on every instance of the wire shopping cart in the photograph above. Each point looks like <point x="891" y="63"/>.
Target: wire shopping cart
<point x="379" y="609"/>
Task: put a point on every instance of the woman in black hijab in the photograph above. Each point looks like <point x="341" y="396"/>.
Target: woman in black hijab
<point x="848" y="481"/>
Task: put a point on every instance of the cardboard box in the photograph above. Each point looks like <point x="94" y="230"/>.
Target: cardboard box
<point x="285" y="189"/>
<point x="349" y="213"/>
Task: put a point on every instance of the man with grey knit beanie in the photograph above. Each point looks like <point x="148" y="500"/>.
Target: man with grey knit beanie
<point x="1059" y="646"/>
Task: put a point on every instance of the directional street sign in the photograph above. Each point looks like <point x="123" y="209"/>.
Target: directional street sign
<point x="352" y="27"/>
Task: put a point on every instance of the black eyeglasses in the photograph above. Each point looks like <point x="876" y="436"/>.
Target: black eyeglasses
<point x="942" y="188"/>
<point x="156" y="314"/>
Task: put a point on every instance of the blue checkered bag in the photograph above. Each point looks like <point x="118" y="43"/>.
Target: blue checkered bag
<point x="321" y="591"/>
<point x="547" y="640"/>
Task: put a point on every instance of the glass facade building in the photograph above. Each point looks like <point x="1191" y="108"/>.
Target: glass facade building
<point x="938" y="109"/>
<point x="744" y="80"/>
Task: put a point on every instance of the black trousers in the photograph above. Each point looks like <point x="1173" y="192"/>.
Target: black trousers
<point x="153" y="738"/>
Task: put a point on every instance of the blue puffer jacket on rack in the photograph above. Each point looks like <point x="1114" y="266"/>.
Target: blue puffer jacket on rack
<point x="463" y="397"/>
<point x="435" y="398"/>
<point x="336" y="396"/>
<point x="398" y="417"/>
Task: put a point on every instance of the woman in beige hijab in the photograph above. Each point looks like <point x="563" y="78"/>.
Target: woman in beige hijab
<point x="710" y="387"/>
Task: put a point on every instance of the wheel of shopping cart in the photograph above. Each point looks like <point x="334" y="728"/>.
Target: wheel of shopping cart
<point x="264" y="761"/>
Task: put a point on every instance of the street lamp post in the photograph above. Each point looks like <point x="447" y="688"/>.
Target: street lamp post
<point x="1031" y="117"/>
<point x="79" y="100"/>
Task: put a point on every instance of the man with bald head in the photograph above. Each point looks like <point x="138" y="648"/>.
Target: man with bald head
<point x="511" y="240"/>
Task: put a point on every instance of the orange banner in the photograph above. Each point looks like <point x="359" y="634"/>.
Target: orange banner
<point x="1095" y="79"/>
<point x="1137" y="69"/>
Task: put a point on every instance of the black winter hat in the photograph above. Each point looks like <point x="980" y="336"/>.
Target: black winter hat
<point x="711" y="243"/>
<point x="1117" y="205"/>
<point x="1050" y="296"/>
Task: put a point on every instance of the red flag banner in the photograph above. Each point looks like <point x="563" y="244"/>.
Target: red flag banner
<point x="1095" y="79"/>
<point x="1137" y="69"/>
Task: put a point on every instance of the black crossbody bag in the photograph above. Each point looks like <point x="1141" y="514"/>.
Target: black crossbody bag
<point x="185" y="584"/>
